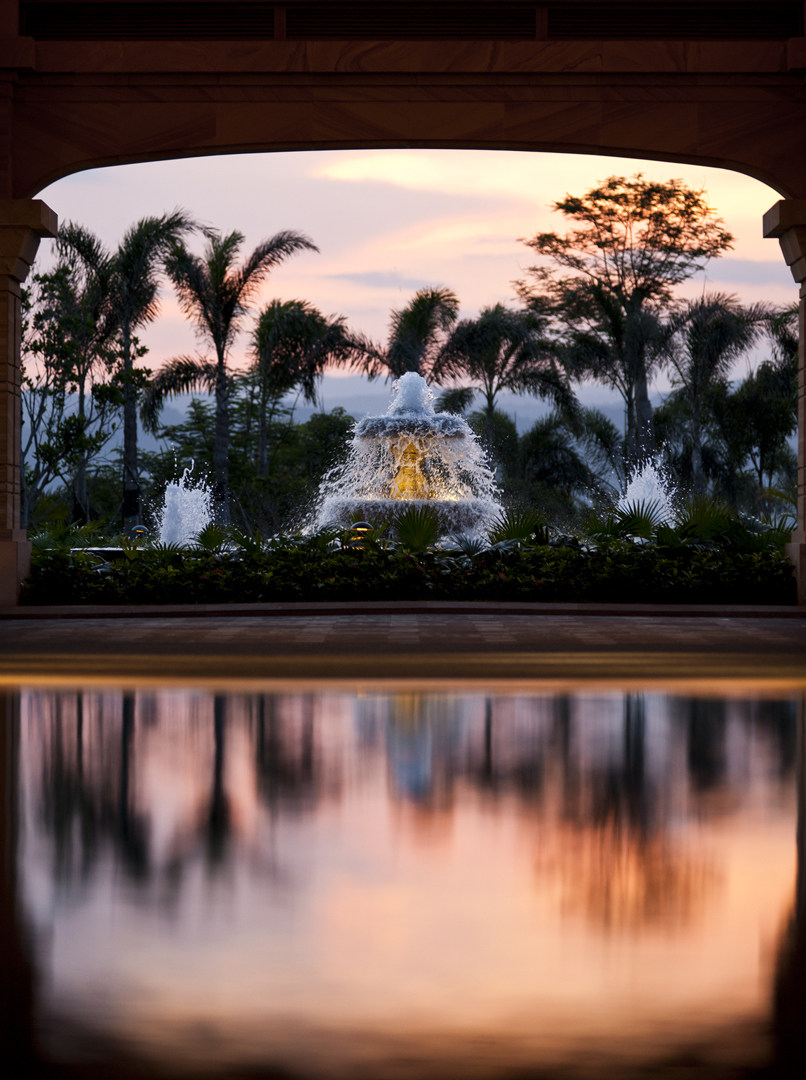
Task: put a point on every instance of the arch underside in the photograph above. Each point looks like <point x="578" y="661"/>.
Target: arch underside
<point x="63" y="126"/>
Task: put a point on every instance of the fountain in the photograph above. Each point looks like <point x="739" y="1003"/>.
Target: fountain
<point x="412" y="457"/>
<point x="648" y="484"/>
<point x="185" y="510"/>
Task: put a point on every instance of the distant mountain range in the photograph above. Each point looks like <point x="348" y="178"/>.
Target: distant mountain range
<point x="360" y="397"/>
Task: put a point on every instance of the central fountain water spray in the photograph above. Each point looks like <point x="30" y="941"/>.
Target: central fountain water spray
<point x="412" y="456"/>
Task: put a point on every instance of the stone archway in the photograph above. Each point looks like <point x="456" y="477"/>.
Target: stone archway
<point x="85" y="83"/>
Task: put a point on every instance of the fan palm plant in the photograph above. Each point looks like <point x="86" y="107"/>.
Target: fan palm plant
<point x="216" y="292"/>
<point x="524" y="525"/>
<point x="418" y="528"/>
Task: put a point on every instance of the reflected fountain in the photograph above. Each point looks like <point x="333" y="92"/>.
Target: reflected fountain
<point x="412" y="456"/>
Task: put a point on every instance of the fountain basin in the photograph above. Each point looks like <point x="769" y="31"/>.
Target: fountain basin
<point x="412" y="457"/>
<point x="465" y="516"/>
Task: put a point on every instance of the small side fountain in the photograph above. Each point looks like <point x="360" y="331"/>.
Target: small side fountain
<point x="185" y="510"/>
<point x="649" y="485"/>
<point x="412" y="456"/>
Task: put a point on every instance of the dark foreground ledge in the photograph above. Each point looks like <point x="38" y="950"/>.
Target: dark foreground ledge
<point x="400" y="607"/>
<point x="437" y="644"/>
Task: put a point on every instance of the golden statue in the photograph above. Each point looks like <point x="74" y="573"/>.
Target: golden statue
<point x="409" y="482"/>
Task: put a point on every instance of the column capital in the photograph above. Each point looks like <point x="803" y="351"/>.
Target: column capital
<point x="785" y="214"/>
<point x="23" y="223"/>
<point x="786" y="223"/>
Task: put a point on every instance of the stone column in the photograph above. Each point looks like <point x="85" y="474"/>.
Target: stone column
<point x="786" y="222"/>
<point x="23" y="222"/>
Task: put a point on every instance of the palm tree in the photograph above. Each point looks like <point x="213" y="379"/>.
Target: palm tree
<point x="502" y="349"/>
<point x="292" y="343"/>
<point x="416" y="334"/>
<point x="616" y="341"/>
<point x="134" y="268"/>
<point x="215" y="293"/>
<point x="561" y="458"/>
<point x="709" y="335"/>
<point x="82" y="287"/>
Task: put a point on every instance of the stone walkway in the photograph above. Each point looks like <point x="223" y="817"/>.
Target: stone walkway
<point x="389" y="645"/>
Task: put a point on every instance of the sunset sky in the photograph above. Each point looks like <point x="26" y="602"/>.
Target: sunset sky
<point x="388" y="222"/>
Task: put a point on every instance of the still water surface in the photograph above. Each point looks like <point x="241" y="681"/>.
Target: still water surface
<point x="331" y="885"/>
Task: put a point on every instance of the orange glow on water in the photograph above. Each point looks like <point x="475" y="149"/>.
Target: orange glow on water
<point x="334" y="882"/>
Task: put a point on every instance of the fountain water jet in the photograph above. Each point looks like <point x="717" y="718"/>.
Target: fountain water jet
<point x="185" y="510"/>
<point x="412" y="457"/>
<point x="649" y="484"/>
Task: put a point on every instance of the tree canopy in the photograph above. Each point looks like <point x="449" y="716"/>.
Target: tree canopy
<point x="630" y="241"/>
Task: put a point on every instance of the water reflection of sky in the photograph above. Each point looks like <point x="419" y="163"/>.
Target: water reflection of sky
<point x="407" y="885"/>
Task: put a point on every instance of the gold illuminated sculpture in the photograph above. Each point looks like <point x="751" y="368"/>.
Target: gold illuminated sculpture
<point x="409" y="481"/>
<point x="412" y="454"/>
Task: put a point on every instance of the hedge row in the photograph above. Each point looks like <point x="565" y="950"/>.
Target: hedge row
<point x="619" y="573"/>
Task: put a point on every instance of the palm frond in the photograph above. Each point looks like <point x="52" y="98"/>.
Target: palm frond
<point x="179" y="375"/>
<point x="704" y="517"/>
<point x="418" y="528"/>
<point x="417" y="329"/>
<point x="75" y="240"/>
<point x="250" y="543"/>
<point x="469" y="545"/>
<point x="212" y="538"/>
<point x="520" y="525"/>
<point x="456" y="400"/>
<point x="136" y="261"/>
<point x="639" y="518"/>
<point x="260" y="262"/>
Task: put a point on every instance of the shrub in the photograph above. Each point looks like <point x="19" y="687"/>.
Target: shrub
<point x="328" y="566"/>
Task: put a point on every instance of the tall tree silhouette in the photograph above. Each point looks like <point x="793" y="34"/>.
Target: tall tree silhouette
<point x="292" y="343"/>
<point x="609" y="277"/>
<point x="216" y="292"/>
<point x="135" y="269"/>
<point x="709" y="335"/>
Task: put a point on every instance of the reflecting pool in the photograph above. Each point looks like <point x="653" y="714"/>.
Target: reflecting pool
<point x="411" y="885"/>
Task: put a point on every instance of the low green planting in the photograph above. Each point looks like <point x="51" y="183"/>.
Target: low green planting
<point x="625" y="557"/>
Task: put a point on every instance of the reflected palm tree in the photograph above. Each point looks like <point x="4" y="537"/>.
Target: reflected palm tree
<point x="487" y="770"/>
<point x="704" y="721"/>
<point x="617" y="865"/>
<point x="638" y="795"/>
<point x="87" y="802"/>
<point x="219" y="818"/>
<point x="498" y="772"/>
<point x="67" y="799"/>
<point x="561" y="741"/>
<point x="789" y="985"/>
<point x="286" y="774"/>
<point x="778" y="721"/>
<point x="132" y="833"/>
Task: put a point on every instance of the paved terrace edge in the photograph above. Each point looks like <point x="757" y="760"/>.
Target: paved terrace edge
<point x="398" y="607"/>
